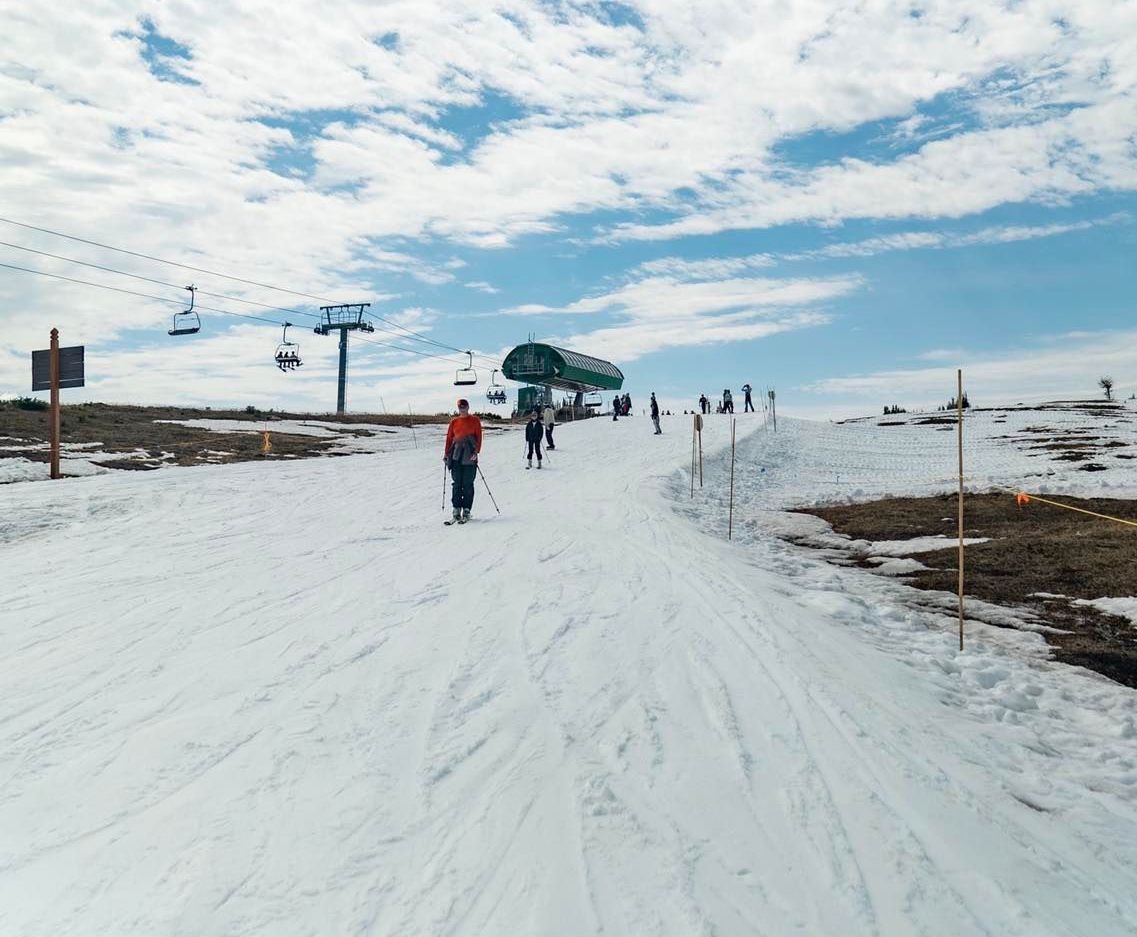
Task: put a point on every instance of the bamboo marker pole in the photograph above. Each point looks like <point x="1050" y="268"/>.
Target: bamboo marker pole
<point x="730" y="519"/>
<point x="959" y="410"/>
<point x="694" y="422"/>
<point x="700" y="454"/>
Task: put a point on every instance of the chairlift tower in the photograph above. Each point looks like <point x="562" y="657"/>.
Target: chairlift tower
<point x="345" y="318"/>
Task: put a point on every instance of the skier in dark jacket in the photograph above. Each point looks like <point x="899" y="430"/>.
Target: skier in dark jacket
<point x="748" y="407"/>
<point x="463" y="443"/>
<point x="534" y="431"/>
<point x="617" y="406"/>
<point x="655" y="414"/>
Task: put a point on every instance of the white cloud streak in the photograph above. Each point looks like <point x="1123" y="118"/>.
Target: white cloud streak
<point x="1060" y="366"/>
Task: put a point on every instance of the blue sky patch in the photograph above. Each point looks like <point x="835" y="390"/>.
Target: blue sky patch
<point x="162" y="54"/>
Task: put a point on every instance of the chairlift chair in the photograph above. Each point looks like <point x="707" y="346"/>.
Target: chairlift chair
<point x="593" y="399"/>
<point x="287" y="353"/>
<point x="467" y="375"/>
<point x="495" y="393"/>
<point x="188" y="321"/>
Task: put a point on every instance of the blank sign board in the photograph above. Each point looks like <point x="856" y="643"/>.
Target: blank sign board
<point x="70" y="368"/>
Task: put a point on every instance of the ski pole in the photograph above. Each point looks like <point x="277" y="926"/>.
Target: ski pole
<point x="482" y="475"/>
<point x="444" y="486"/>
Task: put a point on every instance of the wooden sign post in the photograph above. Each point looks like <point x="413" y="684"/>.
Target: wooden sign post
<point x="53" y="368"/>
<point x="55" y="420"/>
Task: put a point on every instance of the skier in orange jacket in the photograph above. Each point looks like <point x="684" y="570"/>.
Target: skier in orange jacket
<point x="463" y="443"/>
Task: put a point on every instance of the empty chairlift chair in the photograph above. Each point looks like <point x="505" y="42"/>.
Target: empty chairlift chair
<point x="463" y="377"/>
<point x="188" y="321"/>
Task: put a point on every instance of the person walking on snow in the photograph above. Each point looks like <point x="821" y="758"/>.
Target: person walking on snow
<point x="616" y="405"/>
<point x="748" y="405"/>
<point x="727" y="401"/>
<point x="704" y="404"/>
<point x="463" y="443"/>
<point x="655" y="414"/>
<point x="548" y="417"/>
<point x="533" y="438"/>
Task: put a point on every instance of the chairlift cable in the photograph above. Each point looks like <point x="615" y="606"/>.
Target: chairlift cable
<point x="174" y="263"/>
<point x="137" y="276"/>
<point x="224" y="312"/>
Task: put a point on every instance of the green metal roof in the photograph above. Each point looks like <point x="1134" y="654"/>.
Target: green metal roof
<point x="536" y="363"/>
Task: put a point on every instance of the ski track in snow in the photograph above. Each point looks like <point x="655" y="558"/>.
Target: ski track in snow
<point x="284" y="699"/>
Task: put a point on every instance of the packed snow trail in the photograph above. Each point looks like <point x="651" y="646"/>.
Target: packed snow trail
<point x="283" y="699"/>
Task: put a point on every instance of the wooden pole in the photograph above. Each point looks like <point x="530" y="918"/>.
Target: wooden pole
<point x="700" y="456"/>
<point x="730" y="519"/>
<point x="694" y="424"/>
<point x="959" y="410"/>
<point x="55" y="421"/>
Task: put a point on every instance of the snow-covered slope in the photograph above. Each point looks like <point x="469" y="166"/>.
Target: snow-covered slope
<point x="283" y="699"/>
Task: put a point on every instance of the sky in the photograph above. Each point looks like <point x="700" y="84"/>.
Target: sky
<point x="843" y="201"/>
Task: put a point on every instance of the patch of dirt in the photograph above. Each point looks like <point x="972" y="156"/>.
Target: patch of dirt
<point x="1035" y="548"/>
<point x="127" y="429"/>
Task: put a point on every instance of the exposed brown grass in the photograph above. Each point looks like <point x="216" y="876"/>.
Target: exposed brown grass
<point x="1035" y="548"/>
<point x="128" y="429"/>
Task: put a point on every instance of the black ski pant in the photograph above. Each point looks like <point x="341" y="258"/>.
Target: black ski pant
<point x="549" y="437"/>
<point x="534" y="446"/>
<point x="749" y="408"/>
<point x="463" y="494"/>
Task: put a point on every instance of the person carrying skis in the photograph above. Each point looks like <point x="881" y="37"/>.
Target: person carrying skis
<point x="748" y="405"/>
<point x="549" y="417"/>
<point x="463" y="443"/>
<point x="533" y="432"/>
<point x="655" y="414"/>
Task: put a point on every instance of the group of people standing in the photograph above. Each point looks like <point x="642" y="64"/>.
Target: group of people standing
<point x="726" y="404"/>
<point x="621" y="406"/>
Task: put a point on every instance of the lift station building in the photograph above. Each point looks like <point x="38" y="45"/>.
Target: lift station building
<point x="545" y="368"/>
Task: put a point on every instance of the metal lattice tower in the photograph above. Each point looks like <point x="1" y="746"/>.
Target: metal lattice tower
<point x="345" y="318"/>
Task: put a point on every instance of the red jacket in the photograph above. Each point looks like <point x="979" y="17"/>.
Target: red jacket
<point x="460" y="427"/>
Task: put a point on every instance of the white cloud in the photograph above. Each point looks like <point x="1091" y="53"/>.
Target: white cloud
<point x="1053" y="367"/>
<point x="697" y="101"/>
<point x="482" y="286"/>
<point x="682" y="119"/>
<point x="658" y="313"/>
<point x="662" y="298"/>
<point x="712" y="268"/>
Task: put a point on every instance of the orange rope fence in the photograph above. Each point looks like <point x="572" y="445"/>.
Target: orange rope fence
<point x="1021" y="498"/>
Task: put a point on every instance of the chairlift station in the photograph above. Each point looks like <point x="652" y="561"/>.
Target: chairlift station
<point x="550" y="367"/>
